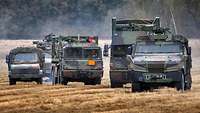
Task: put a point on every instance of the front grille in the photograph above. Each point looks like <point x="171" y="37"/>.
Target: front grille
<point x="156" y="68"/>
<point x="25" y="71"/>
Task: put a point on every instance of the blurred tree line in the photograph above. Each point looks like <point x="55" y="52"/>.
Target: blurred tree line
<point x="25" y="17"/>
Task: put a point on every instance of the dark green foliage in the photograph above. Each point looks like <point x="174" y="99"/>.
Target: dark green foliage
<point x="27" y="18"/>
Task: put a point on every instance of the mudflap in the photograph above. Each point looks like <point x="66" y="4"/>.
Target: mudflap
<point x="120" y="76"/>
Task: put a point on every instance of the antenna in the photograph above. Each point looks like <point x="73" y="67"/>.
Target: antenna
<point x="174" y="22"/>
<point x="78" y="37"/>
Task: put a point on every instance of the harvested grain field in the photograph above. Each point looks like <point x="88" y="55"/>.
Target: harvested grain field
<point x="30" y="97"/>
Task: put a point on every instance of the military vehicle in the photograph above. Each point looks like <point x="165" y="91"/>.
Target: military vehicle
<point x="160" y="59"/>
<point x="25" y="64"/>
<point x="124" y="34"/>
<point x="46" y="46"/>
<point x="78" y="58"/>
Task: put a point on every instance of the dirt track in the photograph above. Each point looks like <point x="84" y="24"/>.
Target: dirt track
<point x="29" y="97"/>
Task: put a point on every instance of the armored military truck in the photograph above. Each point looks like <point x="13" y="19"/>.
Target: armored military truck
<point x="160" y="59"/>
<point x="25" y="64"/>
<point x="124" y="34"/>
<point x="78" y="59"/>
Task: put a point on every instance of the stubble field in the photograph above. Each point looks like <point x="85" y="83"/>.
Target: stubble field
<point x="30" y="97"/>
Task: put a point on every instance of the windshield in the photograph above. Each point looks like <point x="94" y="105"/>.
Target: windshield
<point x="126" y="37"/>
<point x="120" y="51"/>
<point x="73" y="52"/>
<point x="92" y="53"/>
<point x="158" y="48"/>
<point x="26" y="57"/>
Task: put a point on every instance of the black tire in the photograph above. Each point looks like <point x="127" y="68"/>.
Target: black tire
<point x="137" y="87"/>
<point x="12" y="81"/>
<point x="55" y="80"/>
<point x="88" y="83"/>
<point x="64" y="81"/>
<point x="180" y="86"/>
<point x="39" y="81"/>
<point x="146" y="87"/>
<point x="188" y="83"/>
<point x="93" y="81"/>
<point x="116" y="85"/>
<point x="98" y="81"/>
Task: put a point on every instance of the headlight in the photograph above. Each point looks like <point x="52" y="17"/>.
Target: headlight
<point x="175" y="58"/>
<point x="176" y="67"/>
<point x="138" y="68"/>
<point x="41" y="72"/>
<point x="138" y="59"/>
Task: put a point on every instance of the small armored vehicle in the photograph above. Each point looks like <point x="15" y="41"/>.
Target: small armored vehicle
<point x="160" y="59"/>
<point x="25" y="64"/>
<point x="124" y="34"/>
<point x="78" y="59"/>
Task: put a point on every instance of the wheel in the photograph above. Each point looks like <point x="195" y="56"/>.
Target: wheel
<point x="137" y="87"/>
<point x="116" y="85"/>
<point x="56" y="80"/>
<point x="64" y="81"/>
<point x="146" y="87"/>
<point x="54" y="75"/>
<point x="39" y="81"/>
<point x="12" y="81"/>
<point x="93" y="81"/>
<point x="90" y="82"/>
<point x="188" y="82"/>
<point x="98" y="81"/>
<point x="180" y="86"/>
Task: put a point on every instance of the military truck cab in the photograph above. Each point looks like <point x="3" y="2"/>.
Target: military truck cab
<point x="25" y="64"/>
<point x="79" y="60"/>
<point x="161" y="60"/>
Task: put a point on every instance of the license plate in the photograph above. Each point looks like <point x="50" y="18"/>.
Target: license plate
<point x="150" y="76"/>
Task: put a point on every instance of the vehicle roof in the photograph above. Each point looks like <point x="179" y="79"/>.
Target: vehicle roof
<point x="25" y="50"/>
<point x="126" y="39"/>
<point x="83" y="45"/>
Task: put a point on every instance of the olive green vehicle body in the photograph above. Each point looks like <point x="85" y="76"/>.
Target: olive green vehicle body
<point x="25" y="64"/>
<point x="160" y="59"/>
<point x="78" y="59"/>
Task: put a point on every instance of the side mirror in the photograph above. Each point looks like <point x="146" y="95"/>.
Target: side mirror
<point x="129" y="51"/>
<point x="189" y="50"/>
<point x="129" y="58"/>
<point x="106" y="50"/>
<point x="7" y="59"/>
<point x="35" y="42"/>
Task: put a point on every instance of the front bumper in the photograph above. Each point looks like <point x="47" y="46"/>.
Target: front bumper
<point x="82" y="74"/>
<point x="25" y="76"/>
<point x="167" y="77"/>
<point x="120" y="76"/>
